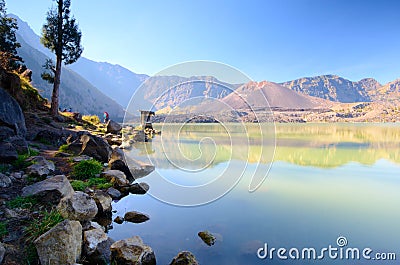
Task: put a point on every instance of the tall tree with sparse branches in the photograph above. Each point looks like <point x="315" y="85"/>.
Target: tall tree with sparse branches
<point x="8" y="41"/>
<point x="62" y="36"/>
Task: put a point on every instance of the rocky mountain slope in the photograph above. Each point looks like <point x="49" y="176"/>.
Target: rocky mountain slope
<point x="334" y="88"/>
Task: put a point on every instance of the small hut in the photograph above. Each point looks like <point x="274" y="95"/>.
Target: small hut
<point x="145" y="119"/>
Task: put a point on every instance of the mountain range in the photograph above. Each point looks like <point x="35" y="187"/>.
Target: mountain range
<point x="93" y="87"/>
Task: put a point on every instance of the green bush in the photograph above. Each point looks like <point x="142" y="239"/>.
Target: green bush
<point x="22" y="202"/>
<point x="87" y="169"/>
<point x="64" y="148"/>
<point x="79" y="185"/>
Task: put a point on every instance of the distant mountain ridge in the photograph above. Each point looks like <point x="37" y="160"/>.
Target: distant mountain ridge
<point x="334" y="88"/>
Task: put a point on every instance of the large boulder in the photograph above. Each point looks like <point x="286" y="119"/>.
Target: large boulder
<point x="50" y="190"/>
<point x="60" y="245"/>
<point x="113" y="127"/>
<point x="79" y="206"/>
<point x="184" y="258"/>
<point x="96" y="246"/>
<point x="11" y="114"/>
<point x="6" y="132"/>
<point x="103" y="201"/>
<point x="116" y="177"/>
<point x="8" y="153"/>
<point x="95" y="147"/>
<point x="40" y="167"/>
<point x="19" y="143"/>
<point x="132" y="251"/>
<point x="136" y="217"/>
<point x="114" y="193"/>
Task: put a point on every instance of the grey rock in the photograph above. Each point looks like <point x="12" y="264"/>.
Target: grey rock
<point x="79" y="206"/>
<point x="114" y="193"/>
<point x="136" y="217"/>
<point x="207" y="237"/>
<point x="19" y="144"/>
<point x="8" y="153"/>
<point x="95" y="147"/>
<point x="2" y="252"/>
<point x="113" y="127"/>
<point x="119" y="220"/>
<point x="81" y="158"/>
<point x="5" y="181"/>
<point x="184" y="258"/>
<point x="40" y="167"/>
<point x="50" y="190"/>
<point x="132" y="251"/>
<point x="60" y="245"/>
<point x="6" y="132"/>
<point x="139" y="188"/>
<point x="116" y="177"/>
<point x="96" y="246"/>
<point x="103" y="201"/>
<point x="11" y="114"/>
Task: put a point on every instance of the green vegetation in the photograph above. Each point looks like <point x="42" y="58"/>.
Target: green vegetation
<point x="4" y="168"/>
<point x="93" y="119"/>
<point x="3" y="229"/>
<point x="22" y="202"/>
<point x="33" y="152"/>
<point x="21" y="162"/>
<point x="44" y="223"/>
<point x="64" y="149"/>
<point x="99" y="183"/>
<point x="87" y="169"/>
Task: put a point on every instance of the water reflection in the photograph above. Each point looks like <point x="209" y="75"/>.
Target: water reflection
<point x="318" y="145"/>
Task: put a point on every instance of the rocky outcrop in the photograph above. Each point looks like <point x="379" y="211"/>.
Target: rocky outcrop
<point x="136" y="217"/>
<point x="113" y="127"/>
<point x="136" y="188"/>
<point x="184" y="258"/>
<point x="79" y="206"/>
<point x="132" y="169"/>
<point x="96" y="246"/>
<point x="50" y="190"/>
<point x="132" y="251"/>
<point x="11" y="115"/>
<point x="60" y="245"/>
<point x="90" y="145"/>
<point x="116" y="177"/>
<point x="40" y="167"/>
<point x="103" y="201"/>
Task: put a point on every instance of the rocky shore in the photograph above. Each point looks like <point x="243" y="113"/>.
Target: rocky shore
<point x="58" y="179"/>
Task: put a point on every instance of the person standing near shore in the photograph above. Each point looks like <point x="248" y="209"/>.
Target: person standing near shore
<point x="106" y="117"/>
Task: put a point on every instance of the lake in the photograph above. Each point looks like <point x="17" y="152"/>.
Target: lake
<point x="325" y="181"/>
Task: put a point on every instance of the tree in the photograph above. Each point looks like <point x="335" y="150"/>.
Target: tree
<point x="62" y="36"/>
<point x="8" y="41"/>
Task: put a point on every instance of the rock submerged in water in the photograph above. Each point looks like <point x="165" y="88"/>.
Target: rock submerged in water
<point x="136" y="217"/>
<point x="184" y="258"/>
<point x="60" y="245"/>
<point x="119" y="220"/>
<point x="207" y="237"/>
<point x="132" y="251"/>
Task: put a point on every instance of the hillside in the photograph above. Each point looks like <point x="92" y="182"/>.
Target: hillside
<point x="113" y="80"/>
<point x="75" y="91"/>
<point x="334" y="88"/>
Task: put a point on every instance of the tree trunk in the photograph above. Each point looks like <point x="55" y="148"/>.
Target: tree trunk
<point x="58" y="49"/>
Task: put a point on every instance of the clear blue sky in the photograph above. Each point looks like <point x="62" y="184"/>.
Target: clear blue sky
<point x="268" y="40"/>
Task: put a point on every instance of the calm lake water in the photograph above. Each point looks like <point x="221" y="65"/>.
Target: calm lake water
<point x="326" y="181"/>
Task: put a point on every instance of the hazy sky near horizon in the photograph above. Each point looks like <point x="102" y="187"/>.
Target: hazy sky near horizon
<point x="268" y="40"/>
